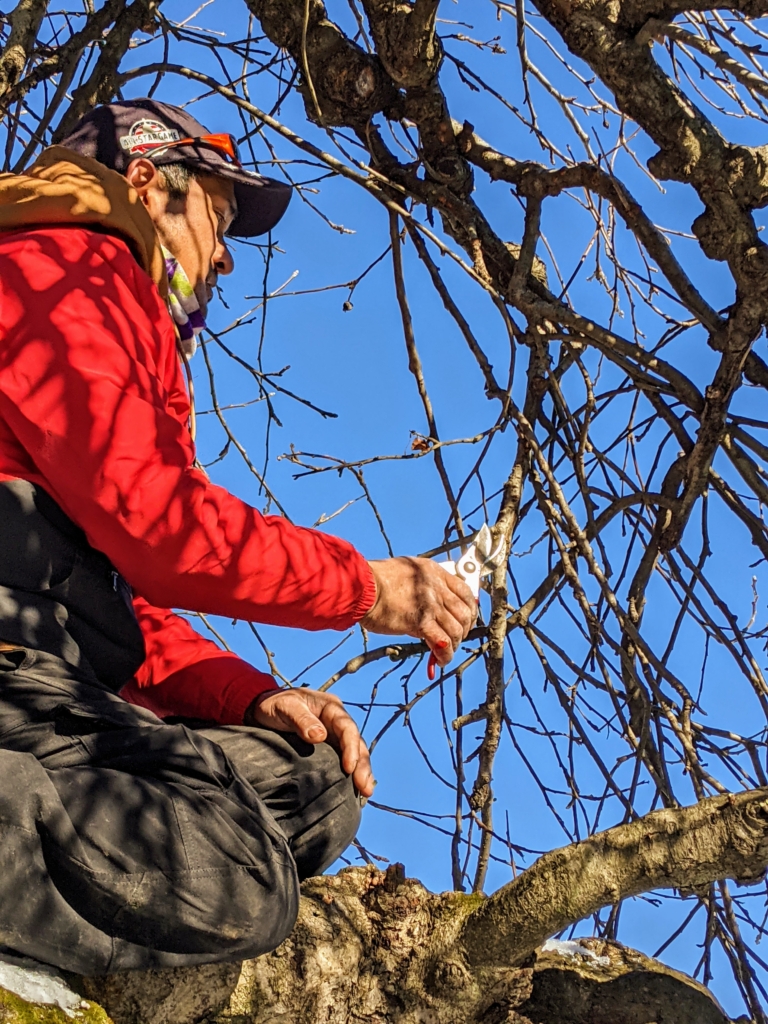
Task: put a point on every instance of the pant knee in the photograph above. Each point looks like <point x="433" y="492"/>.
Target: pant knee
<point x="266" y="918"/>
<point x="224" y="912"/>
<point x="320" y="845"/>
<point x="245" y="915"/>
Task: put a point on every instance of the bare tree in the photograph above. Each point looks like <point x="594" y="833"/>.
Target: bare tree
<point x="620" y="459"/>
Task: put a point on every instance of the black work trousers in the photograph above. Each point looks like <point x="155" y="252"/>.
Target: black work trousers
<point x="127" y="842"/>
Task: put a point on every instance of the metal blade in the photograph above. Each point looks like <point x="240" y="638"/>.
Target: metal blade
<point x="483" y="542"/>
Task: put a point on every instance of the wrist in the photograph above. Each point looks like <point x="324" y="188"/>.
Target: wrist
<point x="249" y="718"/>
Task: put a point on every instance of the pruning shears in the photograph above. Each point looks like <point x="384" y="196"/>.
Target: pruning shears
<point x="479" y="560"/>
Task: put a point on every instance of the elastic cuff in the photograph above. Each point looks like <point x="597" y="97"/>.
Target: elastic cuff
<point x="367" y="599"/>
<point x="240" y="693"/>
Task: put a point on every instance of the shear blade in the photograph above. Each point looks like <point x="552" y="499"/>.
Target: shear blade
<point x="483" y="542"/>
<point x="490" y="559"/>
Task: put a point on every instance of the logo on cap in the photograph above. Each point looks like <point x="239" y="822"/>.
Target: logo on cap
<point x="146" y="135"/>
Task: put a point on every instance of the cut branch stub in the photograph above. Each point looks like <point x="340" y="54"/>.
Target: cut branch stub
<point x="594" y="981"/>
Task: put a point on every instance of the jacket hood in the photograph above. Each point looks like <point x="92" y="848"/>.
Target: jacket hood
<point x="63" y="187"/>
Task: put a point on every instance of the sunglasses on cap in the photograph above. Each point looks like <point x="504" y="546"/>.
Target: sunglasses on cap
<point x="224" y="143"/>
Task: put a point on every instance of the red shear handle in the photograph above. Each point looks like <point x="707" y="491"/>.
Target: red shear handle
<point x="432" y="662"/>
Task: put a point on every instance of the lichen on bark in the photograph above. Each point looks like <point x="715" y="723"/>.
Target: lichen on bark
<point x="15" y="1010"/>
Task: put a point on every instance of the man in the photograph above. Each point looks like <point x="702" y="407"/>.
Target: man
<point x="160" y="799"/>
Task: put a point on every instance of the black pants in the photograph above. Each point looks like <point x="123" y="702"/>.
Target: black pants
<point x="126" y="842"/>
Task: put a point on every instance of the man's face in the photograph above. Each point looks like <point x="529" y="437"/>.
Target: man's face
<point x="192" y="228"/>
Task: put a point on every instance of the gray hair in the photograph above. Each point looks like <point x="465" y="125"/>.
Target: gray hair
<point x="176" y="179"/>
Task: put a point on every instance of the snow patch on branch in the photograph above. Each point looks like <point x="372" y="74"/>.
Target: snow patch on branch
<point x="573" y="947"/>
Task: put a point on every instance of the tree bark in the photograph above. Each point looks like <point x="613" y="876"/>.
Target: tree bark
<point x="377" y="946"/>
<point x="351" y="960"/>
<point x="681" y="848"/>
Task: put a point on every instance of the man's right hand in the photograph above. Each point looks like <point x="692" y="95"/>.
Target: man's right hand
<point x="418" y="597"/>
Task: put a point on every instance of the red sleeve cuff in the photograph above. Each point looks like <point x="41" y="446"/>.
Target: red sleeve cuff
<point x="367" y="599"/>
<point x="218" y="689"/>
<point x="241" y="692"/>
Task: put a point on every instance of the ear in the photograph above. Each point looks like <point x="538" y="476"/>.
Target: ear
<point x="142" y="174"/>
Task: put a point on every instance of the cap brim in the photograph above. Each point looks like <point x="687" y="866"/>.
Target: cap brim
<point x="259" y="207"/>
<point x="261" y="202"/>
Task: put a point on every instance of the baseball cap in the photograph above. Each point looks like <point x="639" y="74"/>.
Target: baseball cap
<point x="117" y="133"/>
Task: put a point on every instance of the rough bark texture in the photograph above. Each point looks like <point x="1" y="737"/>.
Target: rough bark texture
<point x="25" y="22"/>
<point x="373" y="948"/>
<point x="377" y="946"/>
<point x="723" y="837"/>
<point x="175" y="995"/>
<point x="341" y="84"/>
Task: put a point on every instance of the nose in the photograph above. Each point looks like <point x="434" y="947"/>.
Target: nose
<point x="223" y="260"/>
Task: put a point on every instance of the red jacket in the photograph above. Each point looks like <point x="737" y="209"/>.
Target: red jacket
<point x="93" y="408"/>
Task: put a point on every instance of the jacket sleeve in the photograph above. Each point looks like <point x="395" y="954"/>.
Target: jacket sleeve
<point x="187" y="675"/>
<point x="91" y="388"/>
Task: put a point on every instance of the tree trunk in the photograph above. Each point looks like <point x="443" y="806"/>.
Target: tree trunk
<point x="373" y="947"/>
<point x="377" y="947"/>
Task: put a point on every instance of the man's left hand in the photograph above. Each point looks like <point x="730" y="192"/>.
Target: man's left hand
<point x="316" y="717"/>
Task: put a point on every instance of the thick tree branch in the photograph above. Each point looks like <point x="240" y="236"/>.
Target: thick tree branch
<point x="411" y="52"/>
<point x="64" y="58"/>
<point x="722" y="837"/>
<point x="101" y="85"/>
<point x="730" y="180"/>
<point x="405" y="39"/>
<point x="25" y="20"/>
<point x="634" y="13"/>
<point x="658" y="28"/>
<point x="351" y="86"/>
<point x="535" y="179"/>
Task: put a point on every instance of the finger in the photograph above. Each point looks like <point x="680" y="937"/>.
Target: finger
<point x="355" y="760"/>
<point x="455" y="616"/>
<point x="363" y="774"/>
<point x="461" y="590"/>
<point x="343" y="728"/>
<point x="451" y="627"/>
<point x="439" y="642"/>
<point x="294" y="711"/>
<point x="349" y="744"/>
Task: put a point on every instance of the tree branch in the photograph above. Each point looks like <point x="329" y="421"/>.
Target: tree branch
<point x="25" y="20"/>
<point x="682" y="848"/>
<point x="351" y="85"/>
